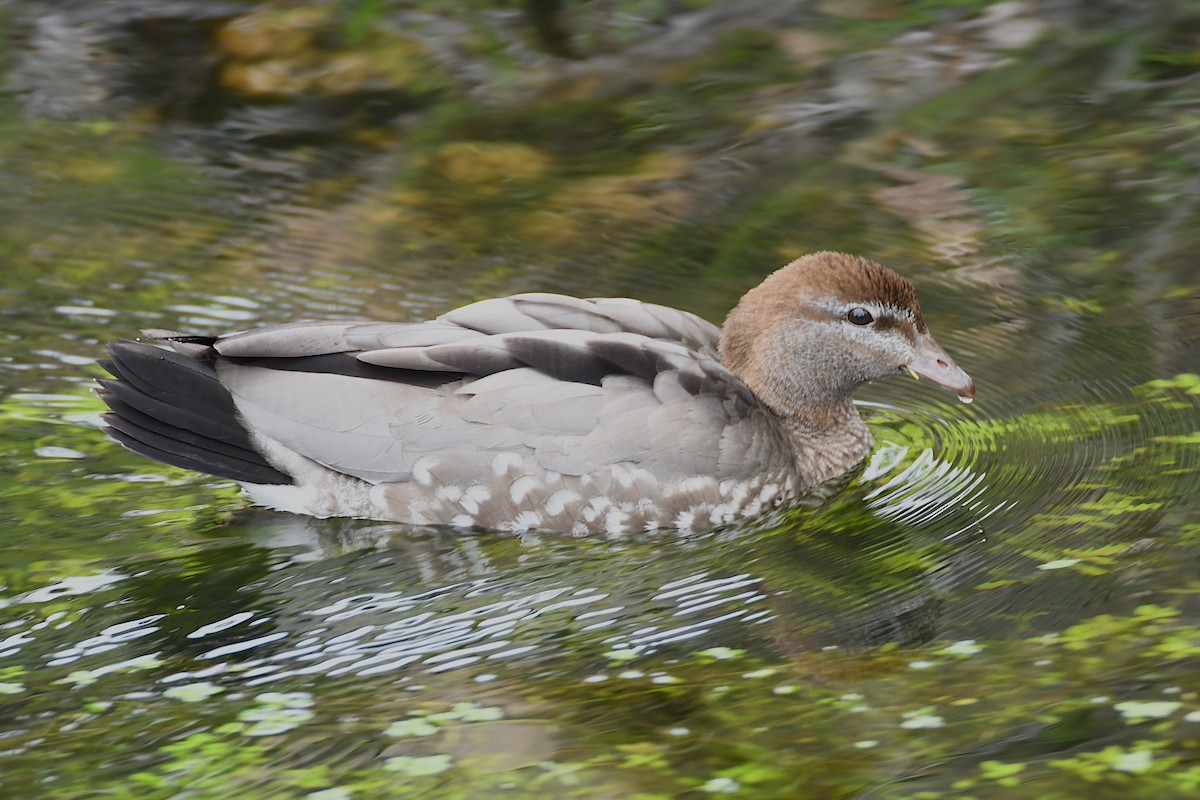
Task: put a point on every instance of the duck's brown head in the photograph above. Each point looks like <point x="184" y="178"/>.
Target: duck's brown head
<point x="814" y="331"/>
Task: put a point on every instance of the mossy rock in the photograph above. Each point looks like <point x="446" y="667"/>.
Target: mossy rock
<point x="484" y="164"/>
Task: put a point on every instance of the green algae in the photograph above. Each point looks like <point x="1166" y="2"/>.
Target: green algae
<point x="888" y="662"/>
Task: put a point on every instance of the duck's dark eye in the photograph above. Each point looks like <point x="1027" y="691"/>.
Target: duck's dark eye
<point x="860" y="316"/>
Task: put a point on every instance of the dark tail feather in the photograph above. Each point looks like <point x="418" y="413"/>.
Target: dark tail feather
<point x="173" y="408"/>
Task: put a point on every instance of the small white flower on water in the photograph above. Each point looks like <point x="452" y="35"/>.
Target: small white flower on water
<point x="966" y="647"/>
<point x="1137" y="761"/>
<point x="193" y="692"/>
<point x="922" y="718"/>
<point x="721" y="786"/>
<point x="1135" y="711"/>
<point x="759" y="673"/>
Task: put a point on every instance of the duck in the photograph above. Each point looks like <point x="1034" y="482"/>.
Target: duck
<point x="537" y="411"/>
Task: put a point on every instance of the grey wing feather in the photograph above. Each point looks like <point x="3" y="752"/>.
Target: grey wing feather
<point x="659" y="322"/>
<point x="565" y="313"/>
<point x="614" y="381"/>
<point x="377" y="335"/>
<point x="288" y="341"/>
<point x="498" y="315"/>
<point x="336" y="420"/>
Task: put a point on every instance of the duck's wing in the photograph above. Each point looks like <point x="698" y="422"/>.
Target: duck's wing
<point x="565" y="384"/>
<point x="535" y="311"/>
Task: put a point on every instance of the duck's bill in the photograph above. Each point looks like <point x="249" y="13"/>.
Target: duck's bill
<point x="934" y="365"/>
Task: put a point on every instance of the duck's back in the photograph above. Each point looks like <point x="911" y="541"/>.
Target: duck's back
<point x="532" y="411"/>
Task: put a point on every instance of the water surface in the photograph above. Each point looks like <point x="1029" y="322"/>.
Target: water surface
<point x="1000" y="603"/>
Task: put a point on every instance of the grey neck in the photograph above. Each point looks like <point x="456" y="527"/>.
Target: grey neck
<point x="827" y="441"/>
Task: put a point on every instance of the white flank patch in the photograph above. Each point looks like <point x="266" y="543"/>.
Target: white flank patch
<point x="462" y="521"/>
<point x="281" y="497"/>
<point x="696" y="484"/>
<point x="557" y="502"/>
<point x="526" y="520"/>
<point x="478" y="492"/>
<point x="451" y="492"/>
<point x="722" y="513"/>
<point x="615" y="520"/>
<point x="684" y="520"/>
<point x="504" y="462"/>
<point x="468" y="502"/>
<point x="595" y="507"/>
<point x="626" y="474"/>
<point x="522" y="486"/>
<point x="421" y="470"/>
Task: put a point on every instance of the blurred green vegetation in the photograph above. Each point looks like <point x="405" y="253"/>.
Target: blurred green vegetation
<point x="1035" y="173"/>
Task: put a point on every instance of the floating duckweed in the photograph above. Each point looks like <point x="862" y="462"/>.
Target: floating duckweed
<point x="11" y="688"/>
<point x="759" y="673"/>
<point x="277" y="712"/>
<point x="272" y="720"/>
<point x="921" y="718"/>
<point x="1135" y="761"/>
<point x="721" y="786"/>
<point x="921" y="664"/>
<point x="1060" y="563"/>
<point x="336" y="793"/>
<point x="80" y="678"/>
<point x="1137" y="711"/>
<point x="418" y="766"/>
<point x="413" y="726"/>
<point x="721" y="653"/>
<point x="786" y="688"/>
<point x="286" y="699"/>
<point x="631" y="674"/>
<point x="966" y="647"/>
<point x="1002" y="772"/>
<point x="193" y="692"/>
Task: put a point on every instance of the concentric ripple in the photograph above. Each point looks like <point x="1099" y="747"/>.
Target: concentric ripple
<point x="1074" y="478"/>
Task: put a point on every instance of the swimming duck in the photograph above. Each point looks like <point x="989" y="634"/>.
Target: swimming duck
<point x="538" y="411"/>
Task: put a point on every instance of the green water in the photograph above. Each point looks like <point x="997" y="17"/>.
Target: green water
<point x="1003" y="603"/>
